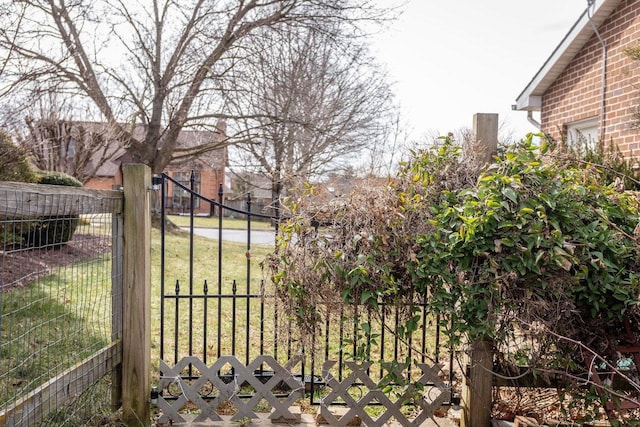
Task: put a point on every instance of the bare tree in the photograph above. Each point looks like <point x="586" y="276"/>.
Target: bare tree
<point x="154" y="63"/>
<point x="55" y="141"/>
<point x="313" y="104"/>
<point x="66" y="145"/>
<point x="383" y="159"/>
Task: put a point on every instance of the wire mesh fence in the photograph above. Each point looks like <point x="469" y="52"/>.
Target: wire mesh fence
<point x="59" y="310"/>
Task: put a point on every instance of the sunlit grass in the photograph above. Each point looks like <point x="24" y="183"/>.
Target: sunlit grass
<point x="214" y="222"/>
<point x="50" y="325"/>
<point x="238" y="264"/>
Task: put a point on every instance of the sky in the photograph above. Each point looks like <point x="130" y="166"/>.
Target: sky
<point x="450" y="59"/>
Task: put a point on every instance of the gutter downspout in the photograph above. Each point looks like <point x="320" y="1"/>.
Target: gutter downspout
<point x="603" y="87"/>
<point x="533" y="121"/>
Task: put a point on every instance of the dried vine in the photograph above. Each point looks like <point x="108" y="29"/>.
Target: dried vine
<point x="530" y="240"/>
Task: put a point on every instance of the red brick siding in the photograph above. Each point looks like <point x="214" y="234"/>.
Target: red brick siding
<point x="210" y="181"/>
<point x="576" y="93"/>
<point x="100" y="183"/>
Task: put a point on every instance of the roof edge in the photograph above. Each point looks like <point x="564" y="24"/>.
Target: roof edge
<point x="579" y="34"/>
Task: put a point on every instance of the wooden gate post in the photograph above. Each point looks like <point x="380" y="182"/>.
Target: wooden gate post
<point x="477" y="384"/>
<point x="136" y="318"/>
<point x="478" y="376"/>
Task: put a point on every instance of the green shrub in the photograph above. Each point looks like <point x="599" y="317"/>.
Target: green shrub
<point x="58" y="178"/>
<point x="532" y="244"/>
<point x="53" y="230"/>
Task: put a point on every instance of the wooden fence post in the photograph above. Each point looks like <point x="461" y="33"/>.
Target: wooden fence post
<point x="477" y="385"/>
<point x="136" y="334"/>
<point x="485" y="131"/>
<point x="478" y="377"/>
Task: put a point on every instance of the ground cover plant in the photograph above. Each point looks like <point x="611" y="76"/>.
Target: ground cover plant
<point x="536" y="253"/>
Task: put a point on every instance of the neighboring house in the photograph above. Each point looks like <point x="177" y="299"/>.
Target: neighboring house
<point x="209" y="172"/>
<point x="589" y="88"/>
<point x="258" y="185"/>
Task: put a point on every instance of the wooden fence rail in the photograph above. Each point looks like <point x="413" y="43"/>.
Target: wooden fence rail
<point x="20" y="199"/>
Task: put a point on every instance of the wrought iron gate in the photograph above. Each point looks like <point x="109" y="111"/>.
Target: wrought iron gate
<point x="226" y="341"/>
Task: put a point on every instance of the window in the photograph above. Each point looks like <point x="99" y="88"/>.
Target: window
<point x="181" y="198"/>
<point x="583" y="134"/>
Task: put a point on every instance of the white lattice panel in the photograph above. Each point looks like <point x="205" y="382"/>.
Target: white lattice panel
<point x="431" y="395"/>
<point x="426" y="394"/>
<point x="218" y="391"/>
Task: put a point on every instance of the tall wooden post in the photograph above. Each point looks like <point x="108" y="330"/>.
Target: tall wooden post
<point x="136" y="319"/>
<point x="485" y="131"/>
<point x="478" y="377"/>
<point x="477" y="385"/>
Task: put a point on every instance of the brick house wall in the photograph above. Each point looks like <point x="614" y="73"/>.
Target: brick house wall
<point x="101" y="183"/>
<point x="208" y="183"/>
<point x="210" y="167"/>
<point x="577" y="92"/>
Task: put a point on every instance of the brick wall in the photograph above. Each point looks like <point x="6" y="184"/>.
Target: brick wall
<point x="576" y="94"/>
<point x="210" y="180"/>
<point x="101" y="183"/>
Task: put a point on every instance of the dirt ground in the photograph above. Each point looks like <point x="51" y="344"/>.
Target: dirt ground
<point x="19" y="267"/>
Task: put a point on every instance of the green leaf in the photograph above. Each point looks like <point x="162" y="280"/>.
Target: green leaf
<point x="510" y="194"/>
<point x="366" y="327"/>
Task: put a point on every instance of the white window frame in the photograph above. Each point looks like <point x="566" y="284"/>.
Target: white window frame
<point x="584" y="134"/>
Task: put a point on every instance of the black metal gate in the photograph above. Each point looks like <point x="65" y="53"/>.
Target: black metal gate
<point x="204" y="320"/>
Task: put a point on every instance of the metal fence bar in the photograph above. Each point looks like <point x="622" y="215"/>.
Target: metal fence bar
<point x="220" y="213"/>
<point x="117" y="277"/>
<point x="192" y="202"/>
<point x="248" y="280"/>
<point x="205" y="292"/>
<point x="163" y="198"/>
<point x="176" y="327"/>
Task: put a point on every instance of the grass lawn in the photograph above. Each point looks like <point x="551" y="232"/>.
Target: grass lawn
<point x="244" y="333"/>
<point x="238" y="265"/>
<point x="75" y="303"/>
<point x="214" y="222"/>
<point x="51" y="324"/>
